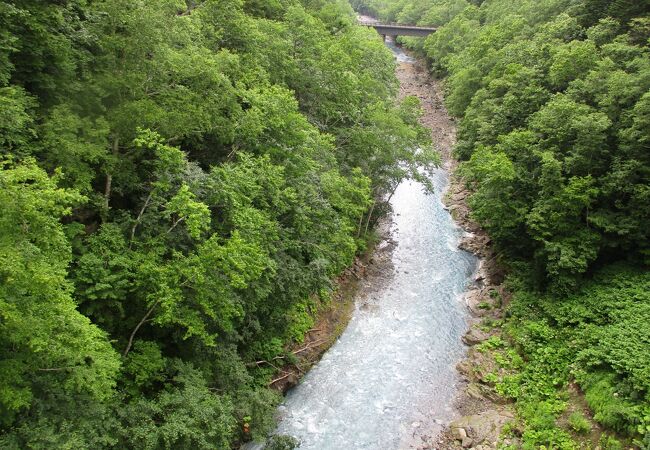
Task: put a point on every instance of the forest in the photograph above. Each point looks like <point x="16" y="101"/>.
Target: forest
<point x="180" y="182"/>
<point x="552" y="99"/>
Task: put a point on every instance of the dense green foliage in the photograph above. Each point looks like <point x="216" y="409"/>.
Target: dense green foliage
<point x="553" y="98"/>
<point x="597" y="337"/>
<point x="178" y="179"/>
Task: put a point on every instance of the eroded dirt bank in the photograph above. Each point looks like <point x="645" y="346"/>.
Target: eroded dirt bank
<point x="481" y="412"/>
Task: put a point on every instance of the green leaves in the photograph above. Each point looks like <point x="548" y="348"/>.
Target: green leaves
<point x="75" y="145"/>
<point x="596" y="335"/>
<point x="549" y="113"/>
<point x="385" y="135"/>
<point x="184" y="207"/>
<point x="495" y="203"/>
<point x="16" y="121"/>
<point x="572" y="61"/>
<point x="184" y="414"/>
<point x="201" y="171"/>
<point x="44" y="339"/>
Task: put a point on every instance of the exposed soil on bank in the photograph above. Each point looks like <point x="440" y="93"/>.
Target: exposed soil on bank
<point x="481" y="412"/>
<point x="415" y="80"/>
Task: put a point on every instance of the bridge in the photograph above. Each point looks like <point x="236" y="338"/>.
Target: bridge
<point x="385" y="29"/>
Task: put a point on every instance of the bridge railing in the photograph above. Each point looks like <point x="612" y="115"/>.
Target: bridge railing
<point x="393" y="24"/>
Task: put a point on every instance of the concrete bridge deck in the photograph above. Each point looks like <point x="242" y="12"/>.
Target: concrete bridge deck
<point x="399" y="30"/>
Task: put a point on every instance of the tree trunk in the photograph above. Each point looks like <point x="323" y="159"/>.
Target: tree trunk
<point x="109" y="176"/>
<point x="139" y="218"/>
<point x="135" y="330"/>
<point x="360" y="225"/>
<point x="372" y="208"/>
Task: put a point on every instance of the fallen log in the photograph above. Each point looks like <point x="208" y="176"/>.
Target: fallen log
<point x="280" y="378"/>
<point x="308" y="346"/>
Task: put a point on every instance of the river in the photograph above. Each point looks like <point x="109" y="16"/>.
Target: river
<point x="389" y="380"/>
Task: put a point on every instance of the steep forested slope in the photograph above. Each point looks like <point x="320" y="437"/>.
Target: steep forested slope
<point x="178" y="178"/>
<point x="554" y="105"/>
<point x="553" y="98"/>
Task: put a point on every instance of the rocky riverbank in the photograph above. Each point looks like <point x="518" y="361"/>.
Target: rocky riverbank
<point x="482" y="412"/>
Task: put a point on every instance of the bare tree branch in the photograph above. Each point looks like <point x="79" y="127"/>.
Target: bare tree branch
<point x="135" y="330"/>
<point x="139" y="218"/>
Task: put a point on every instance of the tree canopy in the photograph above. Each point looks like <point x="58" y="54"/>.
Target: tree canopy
<point x="178" y="180"/>
<point x="551" y="97"/>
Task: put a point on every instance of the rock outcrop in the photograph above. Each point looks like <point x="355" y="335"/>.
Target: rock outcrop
<point x="480" y="431"/>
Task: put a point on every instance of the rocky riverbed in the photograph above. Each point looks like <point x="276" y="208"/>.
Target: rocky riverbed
<point x="481" y="412"/>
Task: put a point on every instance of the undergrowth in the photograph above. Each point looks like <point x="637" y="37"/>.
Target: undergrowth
<point x="598" y="338"/>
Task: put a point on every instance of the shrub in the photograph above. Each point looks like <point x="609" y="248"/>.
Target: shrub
<point x="579" y="423"/>
<point x="281" y="442"/>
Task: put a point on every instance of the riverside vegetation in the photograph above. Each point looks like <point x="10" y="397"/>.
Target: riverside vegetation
<point x="180" y="182"/>
<point x="553" y="101"/>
